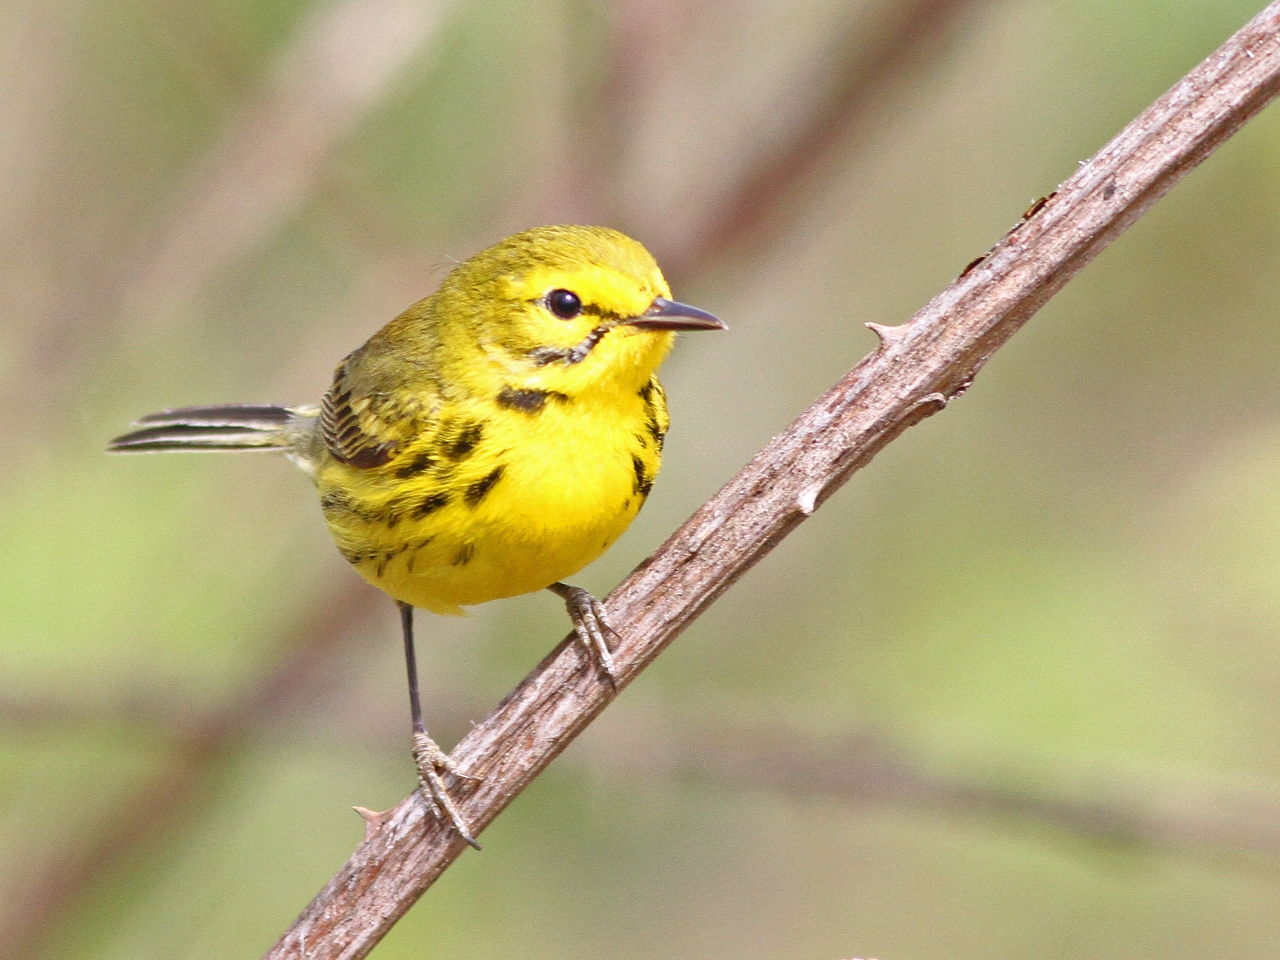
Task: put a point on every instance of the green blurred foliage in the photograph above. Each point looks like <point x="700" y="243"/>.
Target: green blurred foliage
<point x="1065" y="588"/>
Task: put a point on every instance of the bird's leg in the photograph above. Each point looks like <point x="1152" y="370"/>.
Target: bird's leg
<point x="427" y="755"/>
<point x="590" y="624"/>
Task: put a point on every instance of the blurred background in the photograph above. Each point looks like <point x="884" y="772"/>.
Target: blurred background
<point x="1014" y="693"/>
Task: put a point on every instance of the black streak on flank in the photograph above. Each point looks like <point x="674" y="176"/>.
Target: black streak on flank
<point x="413" y="548"/>
<point x="655" y="431"/>
<point x="398" y="508"/>
<point x="465" y="442"/>
<point x="418" y="464"/>
<point x="529" y="401"/>
<point x="464" y="554"/>
<point x="480" y="489"/>
<point x="644" y="482"/>
<point x="335" y="500"/>
<point x="430" y="504"/>
<point x="385" y="558"/>
<point x="651" y="415"/>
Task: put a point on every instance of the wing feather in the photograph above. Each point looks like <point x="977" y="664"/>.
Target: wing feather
<point x="369" y="428"/>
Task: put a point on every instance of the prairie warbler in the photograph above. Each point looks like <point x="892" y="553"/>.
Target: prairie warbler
<point x="491" y="440"/>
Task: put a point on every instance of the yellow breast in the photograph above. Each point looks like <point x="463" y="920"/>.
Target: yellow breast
<point x="504" y="495"/>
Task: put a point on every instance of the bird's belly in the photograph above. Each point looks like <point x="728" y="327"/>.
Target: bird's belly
<point x="510" y="525"/>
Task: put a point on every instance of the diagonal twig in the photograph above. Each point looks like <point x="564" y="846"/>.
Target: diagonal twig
<point x="291" y="104"/>
<point x="917" y="369"/>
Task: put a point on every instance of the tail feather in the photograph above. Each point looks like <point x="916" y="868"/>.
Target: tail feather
<point x="227" y="415"/>
<point x="228" y="427"/>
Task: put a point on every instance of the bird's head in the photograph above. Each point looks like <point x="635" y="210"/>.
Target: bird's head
<point x="564" y="308"/>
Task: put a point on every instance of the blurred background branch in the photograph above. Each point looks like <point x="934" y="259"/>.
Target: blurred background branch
<point x="1115" y="609"/>
<point x="183" y="783"/>
<point x="1102" y="806"/>
<point x="920" y="368"/>
<point x="342" y="63"/>
<point x="852" y="87"/>
<point x="270" y="157"/>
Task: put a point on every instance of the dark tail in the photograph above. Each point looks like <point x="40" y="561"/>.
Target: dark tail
<point x="231" y="427"/>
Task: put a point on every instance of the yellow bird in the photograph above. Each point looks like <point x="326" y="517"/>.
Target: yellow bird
<point x="490" y="441"/>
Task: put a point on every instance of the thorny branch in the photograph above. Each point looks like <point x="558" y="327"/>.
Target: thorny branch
<point x="918" y="368"/>
<point x="293" y="98"/>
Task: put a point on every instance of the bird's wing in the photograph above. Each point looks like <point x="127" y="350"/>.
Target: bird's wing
<point x="366" y="427"/>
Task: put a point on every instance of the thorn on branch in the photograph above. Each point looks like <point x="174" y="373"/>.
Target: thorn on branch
<point x="807" y="501"/>
<point x="373" y="820"/>
<point x="753" y="512"/>
<point x="940" y="399"/>
<point x="887" y="334"/>
<point x="969" y="267"/>
<point x="1037" y="206"/>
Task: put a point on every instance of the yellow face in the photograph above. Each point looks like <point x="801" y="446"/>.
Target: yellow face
<point x="564" y="308"/>
<point x="559" y="308"/>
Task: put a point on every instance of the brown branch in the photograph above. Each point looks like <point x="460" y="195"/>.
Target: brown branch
<point x="918" y="368"/>
<point x="164" y="800"/>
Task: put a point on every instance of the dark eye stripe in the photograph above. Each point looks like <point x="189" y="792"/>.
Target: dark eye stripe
<point x="584" y="309"/>
<point x="595" y="310"/>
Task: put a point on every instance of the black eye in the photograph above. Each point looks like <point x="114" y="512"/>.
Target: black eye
<point x="564" y="304"/>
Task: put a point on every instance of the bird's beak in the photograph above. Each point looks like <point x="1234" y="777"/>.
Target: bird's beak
<point x="664" y="314"/>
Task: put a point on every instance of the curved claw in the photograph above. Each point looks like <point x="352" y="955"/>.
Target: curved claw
<point x="430" y="760"/>
<point x="590" y="623"/>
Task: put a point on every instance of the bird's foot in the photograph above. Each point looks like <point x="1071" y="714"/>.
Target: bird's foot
<point x="591" y="624"/>
<point x="431" y="760"/>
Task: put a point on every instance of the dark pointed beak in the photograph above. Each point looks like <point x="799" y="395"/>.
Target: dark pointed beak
<point x="666" y="314"/>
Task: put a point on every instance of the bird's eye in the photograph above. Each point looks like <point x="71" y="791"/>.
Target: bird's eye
<point x="565" y="304"/>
